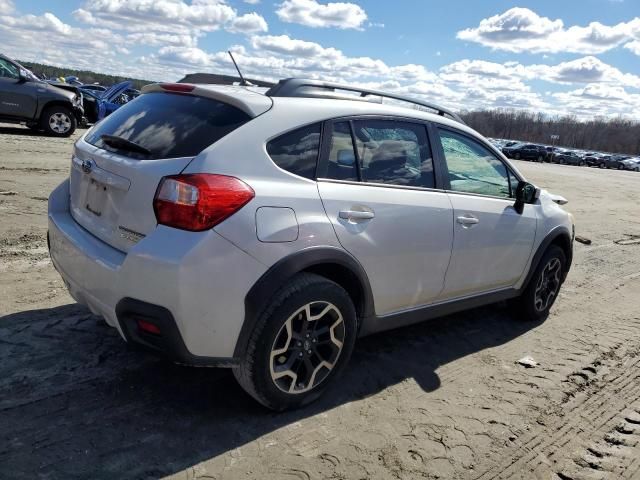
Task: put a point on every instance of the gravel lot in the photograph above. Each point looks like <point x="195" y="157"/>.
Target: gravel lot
<point x="444" y="399"/>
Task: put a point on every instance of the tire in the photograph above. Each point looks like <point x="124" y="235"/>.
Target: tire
<point x="306" y="295"/>
<point x="517" y="156"/>
<point x="540" y="159"/>
<point x="533" y="304"/>
<point x="620" y="167"/>
<point x="58" y="121"/>
<point x="582" y="164"/>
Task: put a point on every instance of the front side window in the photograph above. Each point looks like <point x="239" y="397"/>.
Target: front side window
<point x="394" y="152"/>
<point x="297" y="151"/>
<point x="472" y="167"/>
<point x="8" y="69"/>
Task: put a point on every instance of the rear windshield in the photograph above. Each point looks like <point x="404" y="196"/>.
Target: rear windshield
<point x="167" y="125"/>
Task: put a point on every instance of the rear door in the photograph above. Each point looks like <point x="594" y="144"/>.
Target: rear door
<point x="492" y="242"/>
<point x="378" y="186"/>
<point x="113" y="182"/>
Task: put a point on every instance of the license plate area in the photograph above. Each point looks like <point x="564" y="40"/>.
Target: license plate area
<point x="96" y="197"/>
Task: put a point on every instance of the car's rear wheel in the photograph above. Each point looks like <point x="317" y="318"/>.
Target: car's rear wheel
<point x="540" y="159"/>
<point x="58" y="121"/>
<point x="543" y="288"/>
<point x="300" y="344"/>
<point x="517" y="156"/>
<point x="582" y="163"/>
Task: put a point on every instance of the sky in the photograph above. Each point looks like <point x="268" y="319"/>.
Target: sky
<point x="579" y="57"/>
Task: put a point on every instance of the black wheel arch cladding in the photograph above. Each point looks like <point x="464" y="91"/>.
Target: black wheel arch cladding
<point x="330" y="262"/>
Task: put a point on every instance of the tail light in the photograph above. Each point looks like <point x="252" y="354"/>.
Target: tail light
<point x="199" y="201"/>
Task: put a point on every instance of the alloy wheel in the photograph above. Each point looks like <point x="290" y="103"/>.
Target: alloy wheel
<point x="307" y="347"/>
<point x="548" y="285"/>
<point x="60" y="122"/>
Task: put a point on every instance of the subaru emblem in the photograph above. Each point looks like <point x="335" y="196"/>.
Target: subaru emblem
<point x="86" y="166"/>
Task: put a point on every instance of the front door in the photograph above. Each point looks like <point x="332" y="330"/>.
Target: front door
<point x="381" y="199"/>
<point x="492" y="242"/>
<point x="17" y="98"/>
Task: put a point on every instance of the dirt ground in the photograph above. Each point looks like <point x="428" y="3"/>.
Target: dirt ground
<point x="445" y="399"/>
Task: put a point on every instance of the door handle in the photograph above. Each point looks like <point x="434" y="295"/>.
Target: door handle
<point x="356" y="215"/>
<point x="467" y="221"/>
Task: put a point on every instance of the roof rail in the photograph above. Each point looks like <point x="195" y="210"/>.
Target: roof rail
<point x="298" y="87"/>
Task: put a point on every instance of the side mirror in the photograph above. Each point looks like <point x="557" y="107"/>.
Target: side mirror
<point x="526" y="193"/>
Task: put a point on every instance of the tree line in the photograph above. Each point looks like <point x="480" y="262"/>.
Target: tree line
<point x="616" y="135"/>
<point x="85" y="76"/>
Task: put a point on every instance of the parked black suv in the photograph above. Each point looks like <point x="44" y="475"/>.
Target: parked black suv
<point x="26" y="99"/>
<point x="526" y="151"/>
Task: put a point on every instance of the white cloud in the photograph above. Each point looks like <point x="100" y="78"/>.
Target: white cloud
<point x="6" y="7"/>
<point x="252" y="2"/>
<point x="598" y="100"/>
<point x="161" y="39"/>
<point x="317" y="15"/>
<point x="44" y="23"/>
<point x="248" y="23"/>
<point x="169" y="16"/>
<point x="522" y="30"/>
<point x="284" y="45"/>
<point x="582" y="71"/>
<point x="633" y="46"/>
<point x="161" y="15"/>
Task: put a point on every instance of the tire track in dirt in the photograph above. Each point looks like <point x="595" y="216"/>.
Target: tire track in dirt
<point x="594" y="396"/>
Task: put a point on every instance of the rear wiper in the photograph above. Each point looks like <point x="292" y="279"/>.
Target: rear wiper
<point x="124" y="144"/>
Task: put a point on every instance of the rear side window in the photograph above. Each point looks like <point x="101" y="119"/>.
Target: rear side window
<point x="297" y="151"/>
<point x="167" y="125"/>
<point x="394" y="152"/>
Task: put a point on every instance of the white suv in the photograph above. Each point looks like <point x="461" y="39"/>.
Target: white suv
<point x="265" y="231"/>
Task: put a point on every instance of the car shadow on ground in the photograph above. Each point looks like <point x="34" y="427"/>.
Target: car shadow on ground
<point x="78" y="403"/>
<point x="23" y="131"/>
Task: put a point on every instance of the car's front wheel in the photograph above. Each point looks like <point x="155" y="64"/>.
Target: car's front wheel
<point x="300" y="343"/>
<point x="58" y="121"/>
<point x="543" y="288"/>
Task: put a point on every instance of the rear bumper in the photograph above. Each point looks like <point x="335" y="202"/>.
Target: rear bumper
<point x="191" y="285"/>
<point x="169" y="342"/>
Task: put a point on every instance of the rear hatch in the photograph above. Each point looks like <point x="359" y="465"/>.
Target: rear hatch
<point x="118" y="165"/>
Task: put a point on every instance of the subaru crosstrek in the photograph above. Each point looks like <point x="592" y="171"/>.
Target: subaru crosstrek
<point x="266" y="231"/>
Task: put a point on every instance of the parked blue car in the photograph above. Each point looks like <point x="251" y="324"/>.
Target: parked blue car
<point x="99" y="105"/>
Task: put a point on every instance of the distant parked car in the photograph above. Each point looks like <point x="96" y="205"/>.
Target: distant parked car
<point x="616" y="161"/>
<point x="631" y="164"/>
<point x="26" y="99"/>
<point x="597" y="160"/>
<point x="569" y="157"/>
<point x="526" y="151"/>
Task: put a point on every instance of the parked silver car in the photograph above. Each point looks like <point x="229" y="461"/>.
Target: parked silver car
<point x="265" y="231"/>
